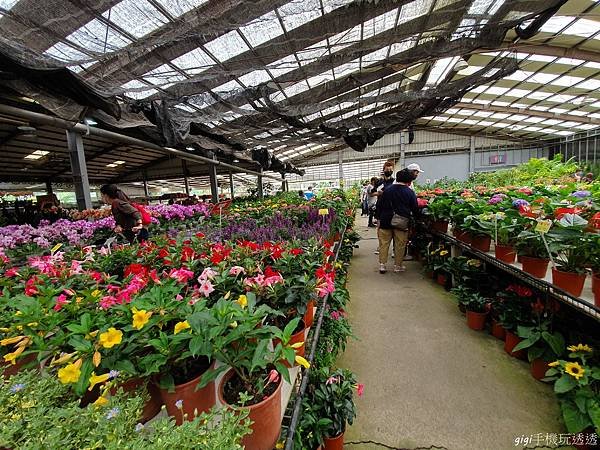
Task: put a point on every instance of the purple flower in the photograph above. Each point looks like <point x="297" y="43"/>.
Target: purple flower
<point x="518" y="203"/>
<point x="494" y="200"/>
<point x="581" y="194"/>
<point x="179" y="404"/>
<point x="112" y="413"/>
<point x="113" y="374"/>
<point x="17" y="388"/>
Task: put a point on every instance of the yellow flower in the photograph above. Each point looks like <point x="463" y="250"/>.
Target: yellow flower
<point x="242" y="301"/>
<point x="63" y="358"/>
<point x="12" y="357"/>
<point x="575" y="370"/>
<point x="580" y="348"/>
<point x="279" y="445"/>
<point x="297" y="345"/>
<point x="101" y="401"/>
<point x="443" y="252"/>
<point x="91" y="335"/>
<point x="140" y="318"/>
<point x="96" y="358"/>
<point x="302" y="362"/>
<point x="180" y="326"/>
<point x="554" y="364"/>
<point x="70" y="373"/>
<point x="96" y="379"/>
<point x="233" y="324"/>
<point x="110" y="338"/>
<point x="96" y="293"/>
<point x="12" y="340"/>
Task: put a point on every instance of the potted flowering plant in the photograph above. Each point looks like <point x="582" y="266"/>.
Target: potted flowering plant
<point x="508" y="227"/>
<point x="234" y="333"/>
<point x="477" y="308"/>
<point x="514" y="306"/>
<point x="570" y="244"/>
<point x="332" y="398"/>
<point x="439" y="208"/>
<point x="532" y="253"/>
<point x="481" y="229"/>
<point x="577" y="384"/>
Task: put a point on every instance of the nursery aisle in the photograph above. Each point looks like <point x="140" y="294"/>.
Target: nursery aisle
<point x="429" y="380"/>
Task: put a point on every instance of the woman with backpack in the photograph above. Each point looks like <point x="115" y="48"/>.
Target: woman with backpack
<point x="128" y="216"/>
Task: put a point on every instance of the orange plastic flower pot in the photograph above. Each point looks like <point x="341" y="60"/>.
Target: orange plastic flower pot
<point x="440" y="226"/>
<point x="154" y="403"/>
<point x="510" y="342"/>
<point x="568" y="281"/>
<point x="201" y="400"/>
<point x="505" y="253"/>
<point x="476" y="320"/>
<point x="336" y="443"/>
<point x="498" y="330"/>
<point x="265" y="417"/>
<point x="535" y="266"/>
<point x="539" y="368"/>
<point x="481" y="243"/>
<point x="462" y="236"/>
<point x="309" y="316"/>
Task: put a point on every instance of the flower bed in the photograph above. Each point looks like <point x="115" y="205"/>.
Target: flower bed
<point x="174" y="311"/>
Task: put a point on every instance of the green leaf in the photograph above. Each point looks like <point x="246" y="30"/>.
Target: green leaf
<point x="575" y="420"/>
<point x="84" y="379"/>
<point x="196" y="345"/>
<point x="283" y="371"/>
<point x="125" y="366"/>
<point x="210" y="375"/>
<point x="289" y="329"/>
<point x="525" y="343"/>
<point x="564" y="384"/>
<point x="80" y="344"/>
<point x="593" y="409"/>
<point x="555" y="340"/>
<point x="258" y="359"/>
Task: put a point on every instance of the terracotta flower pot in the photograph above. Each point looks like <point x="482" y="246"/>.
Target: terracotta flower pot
<point x="336" y="443"/>
<point x="441" y="279"/>
<point x="476" y="320"/>
<point x="462" y="236"/>
<point x="539" y="368"/>
<point x="510" y="342"/>
<point x="498" y="330"/>
<point x="265" y="417"/>
<point x="155" y="402"/>
<point x="481" y="243"/>
<point x="440" y="226"/>
<point x="201" y="400"/>
<point x="568" y="281"/>
<point x="505" y="253"/>
<point x="8" y="369"/>
<point x="309" y="316"/>
<point x="535" y="266"/>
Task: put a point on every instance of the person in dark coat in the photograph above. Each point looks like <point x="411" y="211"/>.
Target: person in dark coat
<point x="127" y="217"/>
<point x="397" y="198"/>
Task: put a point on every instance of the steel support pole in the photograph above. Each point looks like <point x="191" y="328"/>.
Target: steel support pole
<point x="49" y="187"/>
<point x="283" y="183"/>
<point x="472" y="155"/>
<point x="259" y="184"/>
<point x="231" y="187"/>
<point x="341" y="168"/>
<point x="145" y="179"/>
<point x="214" y="187"/>
<point x="186" y="182"/>
<point x="79" y="170"/>
<point x="402" y="151"/>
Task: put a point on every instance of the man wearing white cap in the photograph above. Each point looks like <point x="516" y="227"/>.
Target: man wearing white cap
<point x="415" y="169"/>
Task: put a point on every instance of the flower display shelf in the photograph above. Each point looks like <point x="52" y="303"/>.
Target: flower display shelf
<point x="584" y="304"/>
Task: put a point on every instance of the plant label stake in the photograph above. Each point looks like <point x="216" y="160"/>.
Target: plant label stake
<point x="542" y="227"/>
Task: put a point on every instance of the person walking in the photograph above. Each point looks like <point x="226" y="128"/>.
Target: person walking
<point x="371" y="200"/>
<point x="309" y="194"/>
<point x="364" y="198"/>
<point x="128" y="218"/>
<point x="395" y="208"/>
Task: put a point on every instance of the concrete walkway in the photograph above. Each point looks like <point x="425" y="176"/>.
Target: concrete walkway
<point x="430" y="382"/>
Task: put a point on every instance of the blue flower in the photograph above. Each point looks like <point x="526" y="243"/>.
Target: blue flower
<point x="113" y="374"/>
<point x="112" y="413"/>
<point x="520" y="202"/>
<point x="17" y="388"/>
<point x="581" y="194"/>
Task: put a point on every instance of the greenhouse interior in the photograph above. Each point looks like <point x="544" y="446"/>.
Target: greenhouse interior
<point x="300" y="224"/>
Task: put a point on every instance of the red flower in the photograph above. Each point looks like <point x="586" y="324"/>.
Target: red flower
<point x="163" y="253"/>
<point x="560" y="212"/>
<point x="135" y="269"/>
<point x="269" y="272"/>
<point x="154" y="276"/>
<point x="30" y="288"/>
<point x="595" y="221"/>
<point x="296" y="251"/>
<point x="97" y="276"/>
<point x="200" y="235"/>
<point x="187" y="254"/>
<point x="276" y="252"/>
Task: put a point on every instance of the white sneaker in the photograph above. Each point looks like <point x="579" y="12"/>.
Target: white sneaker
<point x="382" y="268"/>
<point x="398" y="269"/>
<point x="376" y="252"/>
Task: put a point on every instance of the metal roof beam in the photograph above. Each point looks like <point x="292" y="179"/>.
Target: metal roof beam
<point x="547" y="50"/>
<point x="528" y="112"/>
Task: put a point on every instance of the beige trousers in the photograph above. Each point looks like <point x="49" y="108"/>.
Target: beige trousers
<point x="385" y="237"/>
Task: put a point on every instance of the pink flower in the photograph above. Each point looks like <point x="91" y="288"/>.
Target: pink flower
<point x="76" y="267"/>
<point x="60" y="302"/>
<point x="360" y="389"/>
<point x="108" y="301"/>
<point x="178" y="297"/>
<point x="273" y="376"/>
<point x="335" y="315"/>
<point x="12" y="272"/>
<point x="181" y="275"/>
<point x="206" y="288"/>
<point x="207" y="274"/>
<point x="236" y="270"/>
<point x="332" y="380"/>
<point x="104" y="251"/>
